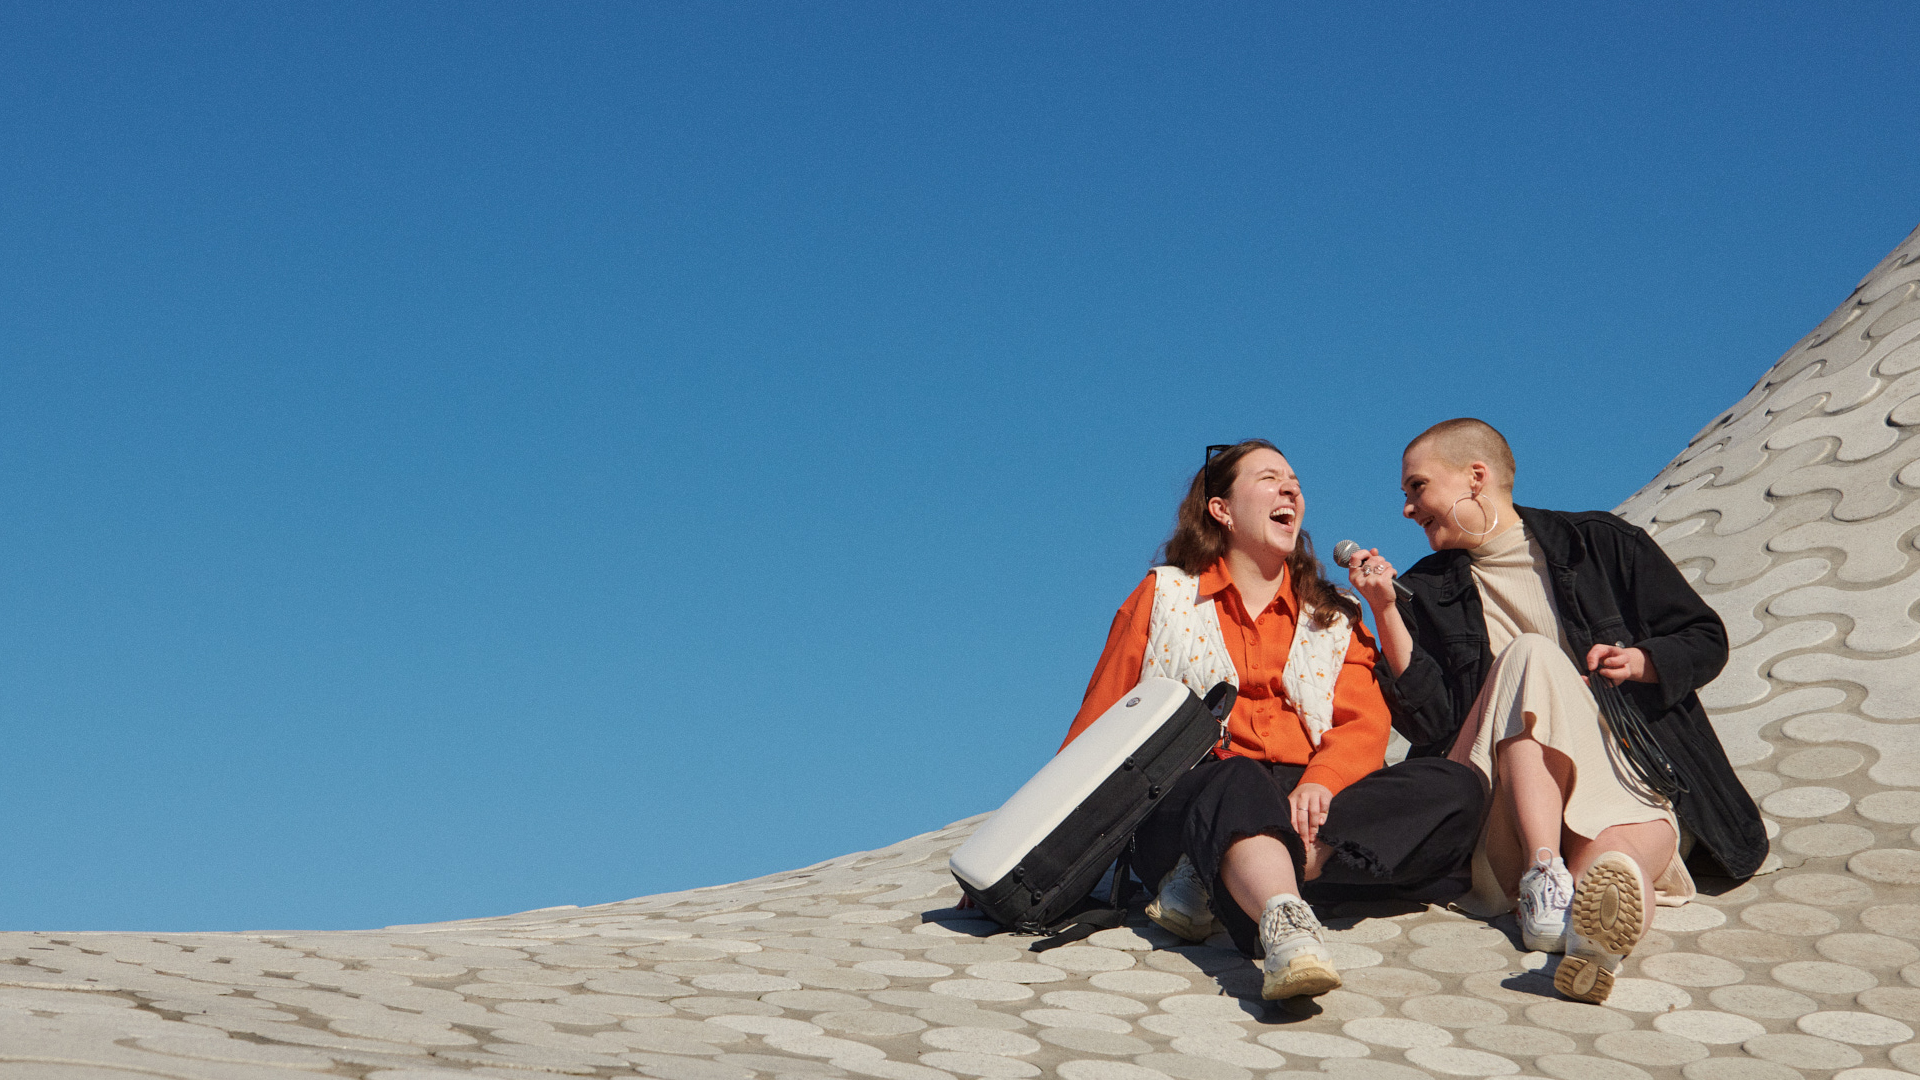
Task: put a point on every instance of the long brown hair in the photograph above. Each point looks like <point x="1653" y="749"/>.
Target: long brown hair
<point x="1199" y="539"/>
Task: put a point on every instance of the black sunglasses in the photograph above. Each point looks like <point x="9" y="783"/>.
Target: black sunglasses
<point x="1213" y="451"/>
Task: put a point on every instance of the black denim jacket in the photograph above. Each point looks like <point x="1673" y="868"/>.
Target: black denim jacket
<point x="1612" y="585"/>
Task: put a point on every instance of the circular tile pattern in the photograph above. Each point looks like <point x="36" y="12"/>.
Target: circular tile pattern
<point x="973" y="1040"/>
<point x="1892" y="807"/>
<point x="1459" y="1061"/>
<point x="905" y="969"/>
<point x="1738" y="1068"/>
<point x="1763" y="1002"/>
<point x="1855" y="1028"/>
<point x="1454" y="1012"/>
<point x="1089" y="1001"/>
<point x="1812" y="801"/>
<point x="964" y="1063"/>
<point x="1313" y="1044"/>
<point x="1824" y="890"/>
<point x="1751" y="946"/>
<point x="1821" y="763"/>
<point x="1458" y="934"/>
<point x="1688" y="918"/>
<point x="1894" y="920"/>
<point x="1581" y="1067"/>
<point x="1802" y="1051"/>
<point x="1088" y="1041"/>
<point x="1899" y="1002"/>
<point x="1188" y="1067"/>
<point x="1827" y="839"/>
<point x="1691" y="969"/>
<point x="1822" y="977"/>
<point x="1871" y="951"/>
<point x="1712" y="1028"/>
<point x="1368" y="931"/>
<point x="1519" y="1041"/>
<point x="1088" y="959"/>
<point x="982" y="989"/>
<point x="1389" y="982"/>
<point x="1138" y="981"/>
<point x="1070" y="1018"/>
<point x="1232" y="1051"/>
<point x="1013" y="972"/>
<point x="1799" y="920"/>
<point x="1395" y="1032"/>
<point x="1335" y="1005"/>
<point x="1107" y="1070"/>
<point x="1456" y="959"/>
<point x="1893" y="866"/>
<point x="1577" y="1018"/>
<point x="1650" y="1047"/>
<point x="1212" y="1007"/>
<point x="1646" y="996"/>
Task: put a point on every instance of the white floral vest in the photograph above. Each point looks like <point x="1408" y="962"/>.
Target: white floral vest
<point x="1184" y="643"/>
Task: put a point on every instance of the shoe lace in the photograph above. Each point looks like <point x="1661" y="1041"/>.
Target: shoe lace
<point x="1287" y="918"/>
<point x="1552" y="890"/>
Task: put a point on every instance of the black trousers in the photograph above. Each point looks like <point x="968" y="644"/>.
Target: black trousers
<point x="1399" y="831"/>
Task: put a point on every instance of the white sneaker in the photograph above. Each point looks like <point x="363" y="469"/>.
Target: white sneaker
<point x="1606" y="919"/>
<point x="1183" y="907"/>
<point x="1298" y="962"/>
<point x="1546" y="898"/>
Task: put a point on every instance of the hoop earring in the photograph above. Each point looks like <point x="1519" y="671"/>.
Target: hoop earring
<point x="1454" y="513"/>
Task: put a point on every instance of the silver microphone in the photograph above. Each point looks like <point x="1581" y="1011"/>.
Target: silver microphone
<point x="1343" y="553"/>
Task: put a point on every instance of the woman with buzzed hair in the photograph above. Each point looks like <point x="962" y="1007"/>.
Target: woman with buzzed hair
<point x="1488" y="663"/>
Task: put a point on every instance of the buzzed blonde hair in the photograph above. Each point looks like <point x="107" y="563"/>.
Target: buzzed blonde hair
<point x="1462" y="441"/>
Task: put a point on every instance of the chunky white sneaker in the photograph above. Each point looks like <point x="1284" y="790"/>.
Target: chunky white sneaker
<point x="1298" y="962"/>
<point x="1183" y="905"/>
<point x="1546" y="897"/>
<point x="1607" y="917"/>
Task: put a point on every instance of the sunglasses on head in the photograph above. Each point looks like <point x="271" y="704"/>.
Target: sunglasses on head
<point x="1213" y="451"/>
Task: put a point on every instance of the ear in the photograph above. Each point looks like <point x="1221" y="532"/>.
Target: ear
<point x="1481" y="474"/>
<point x="1217" y="506"/>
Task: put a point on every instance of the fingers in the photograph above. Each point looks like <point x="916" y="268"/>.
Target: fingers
<point x="1308" y="811"/>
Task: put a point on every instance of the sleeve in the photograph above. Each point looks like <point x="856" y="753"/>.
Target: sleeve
<point x="1119" y="668"/>
<point x="1685" y="638"/>
<point x="1357" y="743"/>
<point x="1421" y="705"/>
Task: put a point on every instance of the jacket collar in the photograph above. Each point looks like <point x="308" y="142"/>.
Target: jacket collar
<point x="1559" y="542"/>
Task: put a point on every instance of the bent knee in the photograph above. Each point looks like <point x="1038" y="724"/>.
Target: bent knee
<point x="1531" y="648"/>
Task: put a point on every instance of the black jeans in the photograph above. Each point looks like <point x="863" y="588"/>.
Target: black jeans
<point x="1399" y="831"/>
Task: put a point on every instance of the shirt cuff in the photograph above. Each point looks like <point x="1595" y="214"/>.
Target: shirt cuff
<point x="1326" y="776"/>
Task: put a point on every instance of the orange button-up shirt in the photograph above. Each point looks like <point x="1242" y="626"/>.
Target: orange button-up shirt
<point x="1264" y="724"/>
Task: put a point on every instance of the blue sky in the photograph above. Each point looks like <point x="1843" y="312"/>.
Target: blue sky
<point x="462" y="458"/>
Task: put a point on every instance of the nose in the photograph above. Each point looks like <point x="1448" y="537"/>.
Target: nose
<point x="1406" y="510"/>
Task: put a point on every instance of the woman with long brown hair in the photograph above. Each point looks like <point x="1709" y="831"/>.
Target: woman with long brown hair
<point x="1298" y="793"/>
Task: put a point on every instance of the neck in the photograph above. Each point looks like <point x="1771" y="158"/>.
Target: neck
<point x="1257" y="574"/>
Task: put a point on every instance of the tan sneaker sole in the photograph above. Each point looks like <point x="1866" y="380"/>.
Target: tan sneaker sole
<point x="1306" y="976"/>
<point x="1179" y="925"/>
<point x="1607" y="914"/>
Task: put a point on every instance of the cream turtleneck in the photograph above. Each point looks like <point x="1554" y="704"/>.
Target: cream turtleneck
<point x="1510" y="571"/>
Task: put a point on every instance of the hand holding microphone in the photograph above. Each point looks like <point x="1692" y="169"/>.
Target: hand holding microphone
<point x="1370" y="574"/>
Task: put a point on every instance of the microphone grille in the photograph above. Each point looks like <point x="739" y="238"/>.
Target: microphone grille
<point x="1343" y="552"/>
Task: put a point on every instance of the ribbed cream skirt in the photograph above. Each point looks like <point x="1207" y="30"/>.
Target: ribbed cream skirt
<point x="1534" y="688"/>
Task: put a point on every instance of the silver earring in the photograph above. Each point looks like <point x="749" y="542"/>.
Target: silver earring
<point x="1454" y="513"/>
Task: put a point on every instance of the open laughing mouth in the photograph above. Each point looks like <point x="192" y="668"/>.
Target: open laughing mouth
<point x="1284" y="517"/>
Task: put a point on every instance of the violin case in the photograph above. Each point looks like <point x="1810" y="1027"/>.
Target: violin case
<point x="1033" y="864"/>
